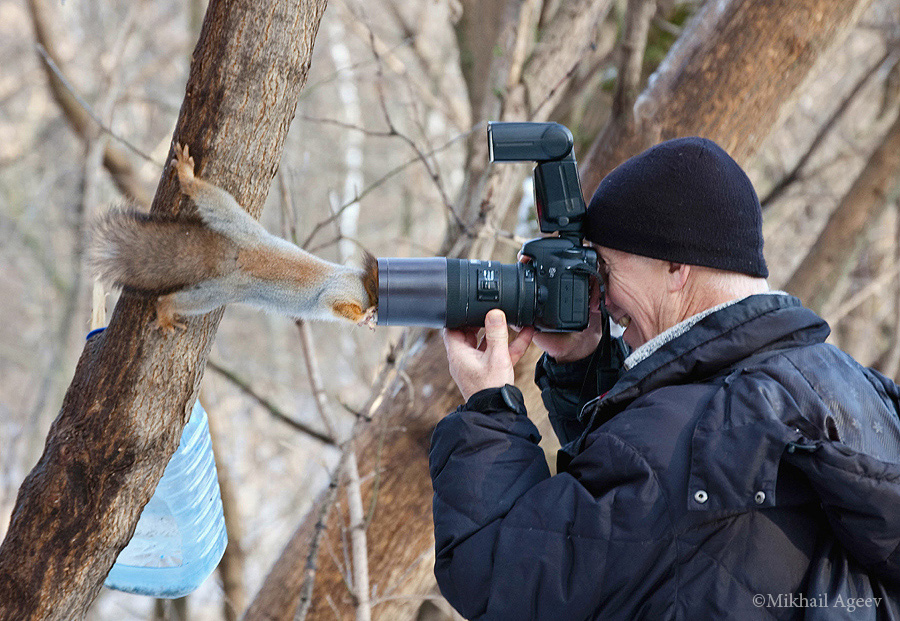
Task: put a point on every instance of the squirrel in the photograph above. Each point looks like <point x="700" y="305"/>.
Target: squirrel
<point x="197" y="265"/>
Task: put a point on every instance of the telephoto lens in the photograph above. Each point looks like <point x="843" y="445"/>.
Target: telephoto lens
<point x="436" y="292"/>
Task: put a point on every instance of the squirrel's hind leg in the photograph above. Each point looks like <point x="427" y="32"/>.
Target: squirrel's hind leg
<point x="165" y="314"/>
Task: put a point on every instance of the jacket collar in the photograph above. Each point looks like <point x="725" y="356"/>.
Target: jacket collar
<point x="755" y="325"/>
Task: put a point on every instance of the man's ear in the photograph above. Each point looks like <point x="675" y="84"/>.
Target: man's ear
<point x="677" y="276"/>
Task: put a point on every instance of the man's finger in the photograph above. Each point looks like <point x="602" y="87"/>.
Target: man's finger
<point x="520" y="344"/>
<point x="456" y="340"/>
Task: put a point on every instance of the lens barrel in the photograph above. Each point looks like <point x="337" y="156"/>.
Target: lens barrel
<point x="437" y="292"/>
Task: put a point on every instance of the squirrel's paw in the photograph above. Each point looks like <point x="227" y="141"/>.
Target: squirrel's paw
<point x="184" y="166"/>
<point x="369" y="318"/>
<point x="165" y="316"/>
<point x="355" y="313"/>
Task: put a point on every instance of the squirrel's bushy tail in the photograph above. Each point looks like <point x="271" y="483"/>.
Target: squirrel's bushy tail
<point x="158" y="254"/>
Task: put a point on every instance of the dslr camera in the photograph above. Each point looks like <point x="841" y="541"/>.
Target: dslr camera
<point x="550" y="291"/>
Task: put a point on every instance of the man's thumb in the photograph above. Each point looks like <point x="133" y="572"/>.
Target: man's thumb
<point x="495" y="332"/>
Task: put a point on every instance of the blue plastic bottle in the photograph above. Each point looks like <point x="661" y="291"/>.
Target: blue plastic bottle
<point x="180" y="536"/>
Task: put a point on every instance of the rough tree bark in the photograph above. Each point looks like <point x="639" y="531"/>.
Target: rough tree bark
<point x="134" y="386"/>
<point x="729" y="77"/>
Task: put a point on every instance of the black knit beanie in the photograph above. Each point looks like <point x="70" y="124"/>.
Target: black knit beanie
<point x="685" y="201"/>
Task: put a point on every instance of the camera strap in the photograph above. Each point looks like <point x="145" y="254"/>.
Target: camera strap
<point x="610" y="353"/>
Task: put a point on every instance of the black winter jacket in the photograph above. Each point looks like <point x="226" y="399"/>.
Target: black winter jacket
<point x="745" y="470"/>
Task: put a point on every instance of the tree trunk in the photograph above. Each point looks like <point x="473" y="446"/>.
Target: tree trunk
<point x="859" y="209"/>
<point x="134" y="386"/>
<point x="729" y="77"/>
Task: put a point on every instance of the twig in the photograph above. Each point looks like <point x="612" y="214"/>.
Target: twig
<point x="377" y="183"/>
<point x="334" y="75"/>
<point x="392" y="129"/>
<point x="320" y="528"/>
<point x="345" y="125"/>
<point x="315" y="377"/>
<point x="269" y="406"/>
<point x="360" y="559"/>
<point x="388" y="55"/>
<point x="88" y="109"/>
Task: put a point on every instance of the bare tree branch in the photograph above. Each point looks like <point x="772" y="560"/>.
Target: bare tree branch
<point x="825" y="129"/>
<point x="360" y="560"/>
<point x="386" y="177"/>
<point x="301" y="538"/>
<point x="635" y="26"/>
<point x="315" y="377"/>
<point x="115" y="159"/>
<point x="860" y="207"/>
<point x="735" y="41"/>
<point x="275" y="411"/>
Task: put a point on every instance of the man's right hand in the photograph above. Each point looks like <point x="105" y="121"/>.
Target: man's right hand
<point x="572" y="346"/>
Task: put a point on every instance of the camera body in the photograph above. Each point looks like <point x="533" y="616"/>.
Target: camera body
<point x="549" y="290"/>
<point x="562" y="265"/>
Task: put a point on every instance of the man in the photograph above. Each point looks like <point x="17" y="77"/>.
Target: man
<point x="739" y="468"/>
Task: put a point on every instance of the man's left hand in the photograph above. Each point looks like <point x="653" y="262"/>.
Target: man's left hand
<point x="475" y="366"/>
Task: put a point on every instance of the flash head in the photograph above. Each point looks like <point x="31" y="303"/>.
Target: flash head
<point x="529" y="142"/>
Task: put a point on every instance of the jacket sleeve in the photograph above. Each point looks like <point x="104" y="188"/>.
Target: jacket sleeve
<point x="567" y="386"/>
<point x="512" y="542"/>
<point x="860" y="495"/>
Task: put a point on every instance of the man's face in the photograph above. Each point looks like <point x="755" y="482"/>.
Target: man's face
<point x="636" y="290"/>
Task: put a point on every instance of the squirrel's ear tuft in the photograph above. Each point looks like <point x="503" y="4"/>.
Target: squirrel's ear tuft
<point x="370" y="278"/>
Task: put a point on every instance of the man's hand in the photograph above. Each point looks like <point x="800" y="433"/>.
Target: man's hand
<point x="489" y="364"/>
<point x="572" y="346"/>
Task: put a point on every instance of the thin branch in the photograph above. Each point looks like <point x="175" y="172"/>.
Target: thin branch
<point x="319" y="531"/>
<point x="88" y="109"/>
<point x="315" y="376"/>
<point x="824" y="130"/>
<point x="383" y="53"/>
<point x="353" y="67"/>
<point x="345" y="125"/>
<point x="116" y="160"/>
<point x="379" y="85"/>
<point x="378" y="182"/>
<point x="360" y="558"/>
<point x="269" y="406"/>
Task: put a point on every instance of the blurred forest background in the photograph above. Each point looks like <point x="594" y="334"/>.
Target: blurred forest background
<point x="376" y="158"/>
